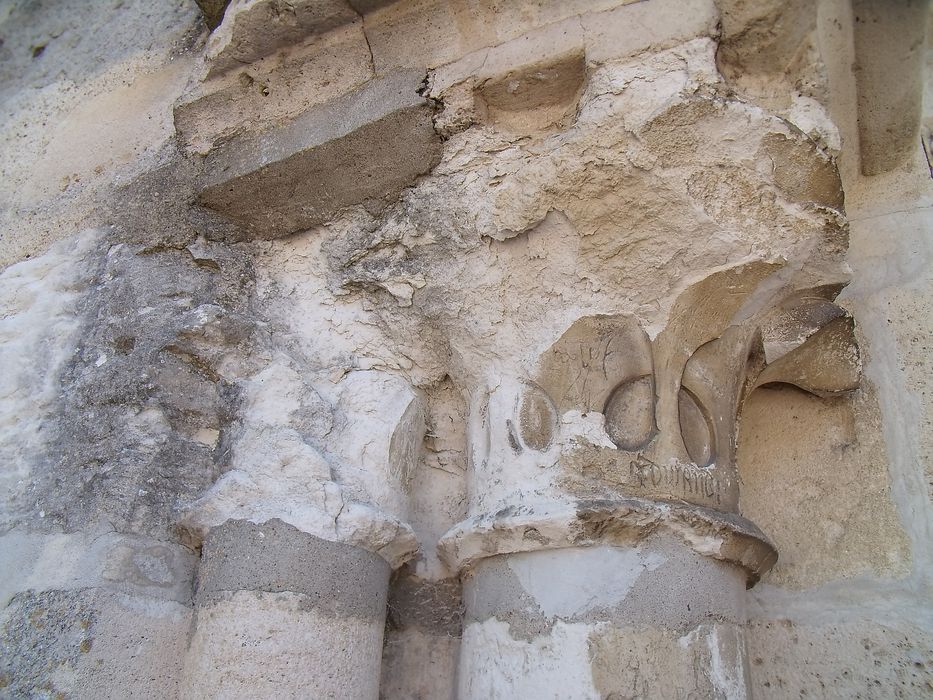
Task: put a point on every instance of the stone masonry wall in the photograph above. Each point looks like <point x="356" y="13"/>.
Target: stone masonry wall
<point x="466" y="349"/>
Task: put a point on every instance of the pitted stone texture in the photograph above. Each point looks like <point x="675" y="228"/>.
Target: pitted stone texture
<point x="850" y="658"/>
<point x="333" y="579"/>
<point x="91" y="643"/>
<point x="364" y="147"/>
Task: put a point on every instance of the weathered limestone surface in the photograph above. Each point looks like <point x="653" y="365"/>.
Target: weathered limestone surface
<point x="454" y="349"/>
<point x="889" y="41"/>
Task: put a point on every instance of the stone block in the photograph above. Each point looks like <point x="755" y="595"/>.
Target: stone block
<point x="431" y="33"/>
<point x="252" y="29"/>
<point x="889" y="56"/>
<point x="274" y="89"/>
<point x="630" y="29"/>
<point x="824" y="496"/>
<point x="851" y="658"/>
<point x="364" y="147"/>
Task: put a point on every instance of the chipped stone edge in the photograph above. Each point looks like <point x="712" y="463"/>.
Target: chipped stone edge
<point x="723" y="536"/>
<point x="357" y="524"/>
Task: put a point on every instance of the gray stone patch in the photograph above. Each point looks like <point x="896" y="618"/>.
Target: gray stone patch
<point x="363" y="148"/>
<point x="336" y="579"/>
<point x="682" y="591"/>
<point x="158" y="335"/>
<point x="41" y="633"/>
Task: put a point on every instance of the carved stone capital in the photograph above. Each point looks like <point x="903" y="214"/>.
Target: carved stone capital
<point x="647" y="428"/>
<point x="353" y="489"/>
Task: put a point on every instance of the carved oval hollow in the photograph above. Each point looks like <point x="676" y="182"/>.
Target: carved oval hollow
<point x="537" y="419"/>
<point x="629" y="414"/>
<point x="696" y="429"/>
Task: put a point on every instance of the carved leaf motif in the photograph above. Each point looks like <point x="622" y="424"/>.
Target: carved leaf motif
<point x="629" y="414"/>
<point x="696" y="428"/>
<point x="537" y="418"/>
<point x="586" y="364"/>
<point x="826" y="364"/>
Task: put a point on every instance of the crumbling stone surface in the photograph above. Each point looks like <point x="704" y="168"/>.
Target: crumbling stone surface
<point x="146" y="394"/>
<point x="580" y="317"/>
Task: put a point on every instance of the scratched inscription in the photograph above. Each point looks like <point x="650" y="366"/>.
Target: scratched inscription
<point x="678" y="478"/>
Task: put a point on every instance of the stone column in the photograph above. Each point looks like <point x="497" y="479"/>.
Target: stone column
<point x="605" y="555"/>
<point x="297" y="547"/>
<point x="650" y="619"/>
<point x="281" y="613"/>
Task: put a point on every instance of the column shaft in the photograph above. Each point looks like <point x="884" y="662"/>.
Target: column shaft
<point x="281" y="613"/>
<point x="654" y="619"/>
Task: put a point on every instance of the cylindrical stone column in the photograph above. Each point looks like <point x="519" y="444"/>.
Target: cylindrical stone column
<point x="604" y="555"/>
<point x="281" y="613"/>
<point x="297" y="548"/>
<point x="651" y="619"/>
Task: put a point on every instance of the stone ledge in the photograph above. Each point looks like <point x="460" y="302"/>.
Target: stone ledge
<point x="364" y="147"/>
<point x="723" y="536"/>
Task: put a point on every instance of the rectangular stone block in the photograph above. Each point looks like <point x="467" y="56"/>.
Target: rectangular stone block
<point x="364" y="147"/>
<point x="431" y="33"/>
<point x="628" y="30"/>
<point x="252" y="29"/>
<point x="274" y="89"/>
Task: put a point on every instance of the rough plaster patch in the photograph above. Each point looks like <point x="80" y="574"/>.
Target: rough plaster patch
<point x="563" y="595"/>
